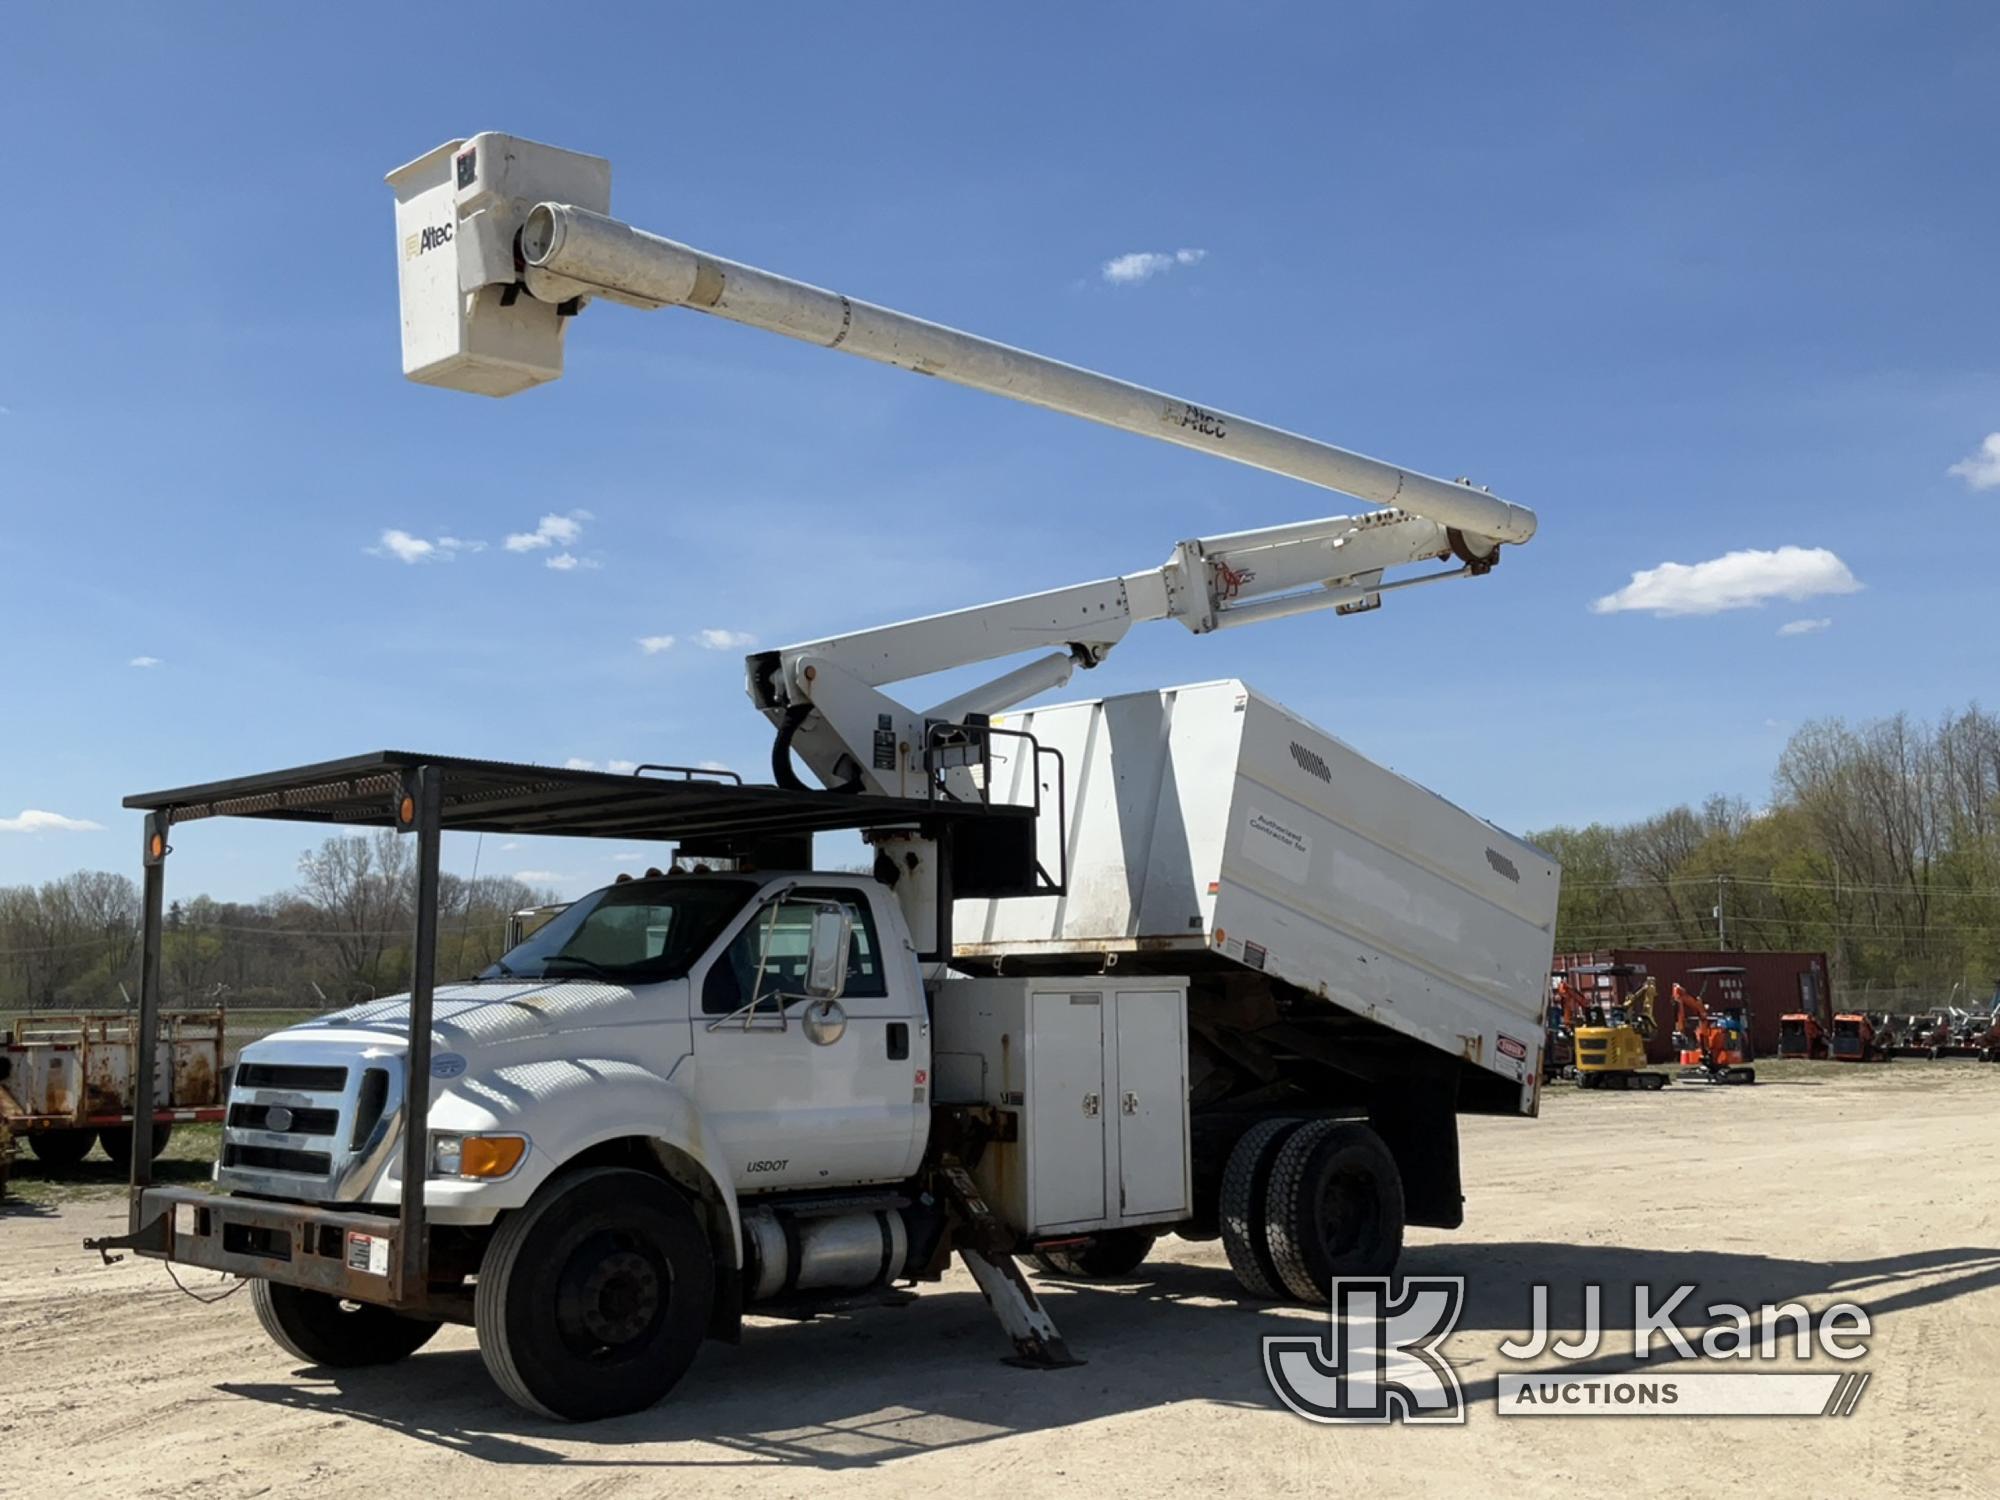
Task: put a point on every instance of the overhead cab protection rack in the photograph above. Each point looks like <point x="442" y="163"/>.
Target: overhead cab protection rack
<point x="991" y="851"/>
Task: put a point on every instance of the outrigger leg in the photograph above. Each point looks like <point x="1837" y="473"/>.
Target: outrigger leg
<point x="988" y="1255"/>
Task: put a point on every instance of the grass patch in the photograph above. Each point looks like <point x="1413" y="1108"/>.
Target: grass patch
<point x="185" y="1163"/>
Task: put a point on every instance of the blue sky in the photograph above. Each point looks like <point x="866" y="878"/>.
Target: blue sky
<point x="1688" y="280"/>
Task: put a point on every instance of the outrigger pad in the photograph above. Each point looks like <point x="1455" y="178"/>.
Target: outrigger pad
<point x="1037" y="1343"/>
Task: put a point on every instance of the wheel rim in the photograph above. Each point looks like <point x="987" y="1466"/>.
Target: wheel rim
<point x="612" y="1297"/>
<point x="1348" y="1212"/>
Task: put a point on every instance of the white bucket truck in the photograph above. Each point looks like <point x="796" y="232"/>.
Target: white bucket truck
<point x="1176" y="961"/>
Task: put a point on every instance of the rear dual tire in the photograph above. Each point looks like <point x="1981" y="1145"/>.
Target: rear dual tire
<point x="1246" y="1182"/>
<point x="1305" y="1202"/>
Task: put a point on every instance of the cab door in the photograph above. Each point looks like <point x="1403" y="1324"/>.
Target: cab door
<point x="786" y="1110"/>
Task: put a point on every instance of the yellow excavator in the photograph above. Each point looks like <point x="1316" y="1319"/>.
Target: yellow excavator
<point x="1610" y="1035"/>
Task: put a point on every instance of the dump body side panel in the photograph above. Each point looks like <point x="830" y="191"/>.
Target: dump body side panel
<point x="1354" y="883"/>
<point x="1210" y="819"/>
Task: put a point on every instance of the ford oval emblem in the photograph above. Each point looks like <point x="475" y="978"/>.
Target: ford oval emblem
<point x="447" y="1065"/>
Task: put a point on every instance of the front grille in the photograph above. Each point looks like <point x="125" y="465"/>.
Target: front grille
<point x="289" y="1095"/>
<point x="311" y="1079"/>
<point x="369" y="1103"/>
<point x="305" y="1120"/>
<point x="278" y="1159"/>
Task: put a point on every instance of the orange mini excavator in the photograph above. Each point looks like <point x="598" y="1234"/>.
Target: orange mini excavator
<point x="1715" y="1045"/>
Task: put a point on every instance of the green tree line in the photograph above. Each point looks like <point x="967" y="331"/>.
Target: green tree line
<point x="342" y="933"/>
<point x="1880" y="845"/>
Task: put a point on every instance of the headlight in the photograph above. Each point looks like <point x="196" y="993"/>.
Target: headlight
<point x="481" y="1156"/>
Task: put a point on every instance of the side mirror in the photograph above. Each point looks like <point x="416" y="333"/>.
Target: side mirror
<point x="826" y="952"/>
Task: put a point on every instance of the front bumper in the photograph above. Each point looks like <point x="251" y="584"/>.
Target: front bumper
<point x="348" y="1255"/>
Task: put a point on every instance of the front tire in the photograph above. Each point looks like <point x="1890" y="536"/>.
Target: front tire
<point x="1335" y="1208"/>
<point x="322" y="1329"/>
<point x="593" y="1300"/>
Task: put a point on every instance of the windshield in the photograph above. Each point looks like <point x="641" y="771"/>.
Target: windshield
<point x="634" y="933"/>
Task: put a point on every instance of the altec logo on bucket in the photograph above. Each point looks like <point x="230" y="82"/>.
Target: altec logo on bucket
<point x="1382" y="1360"/>
<point x="430" y="237"/>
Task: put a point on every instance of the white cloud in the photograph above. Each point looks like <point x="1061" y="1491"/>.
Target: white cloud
<point x="34" y="820"/>
<point x="1144" y="265"/>
<point x="569" y="562"/>
<point x="509" y="845"/>
<point x="404" y="547"/>
<point x="725" y="640"/>
<point x="541" y="877"/>
<point x="1803" y="627"/>
<point x="551" y="531"/>
<point x="623" y="767"/>
<point x="144" y="661"/>
<point x="1735" y="580"/>
<point x="1980" y="470"/>
<point x="578" y="763"/>
<point x="653" y="645"/>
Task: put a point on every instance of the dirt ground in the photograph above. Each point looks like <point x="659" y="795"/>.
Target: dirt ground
<point x="1822" y="1183"/>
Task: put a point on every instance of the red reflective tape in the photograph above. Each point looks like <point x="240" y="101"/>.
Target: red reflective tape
<point x="160" y="1117"/>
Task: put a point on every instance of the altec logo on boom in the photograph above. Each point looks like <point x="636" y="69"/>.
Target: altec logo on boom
<point x="1382" y="1359"/>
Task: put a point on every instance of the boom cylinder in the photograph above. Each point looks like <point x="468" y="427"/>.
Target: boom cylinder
<point x="571" y="250"/>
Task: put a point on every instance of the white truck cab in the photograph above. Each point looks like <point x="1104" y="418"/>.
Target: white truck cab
<point x="673" y="1008"/>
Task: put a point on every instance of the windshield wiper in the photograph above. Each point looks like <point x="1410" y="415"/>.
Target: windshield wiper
<point x="570" y="958"/>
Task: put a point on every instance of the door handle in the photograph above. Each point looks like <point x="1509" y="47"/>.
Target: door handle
<point x="1130" y="1103"/>
<point x="899" y="1041"/>
<point x="1090" y="1106"/>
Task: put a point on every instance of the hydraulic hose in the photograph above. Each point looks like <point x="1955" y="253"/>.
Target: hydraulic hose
<point x="782" y="771"/>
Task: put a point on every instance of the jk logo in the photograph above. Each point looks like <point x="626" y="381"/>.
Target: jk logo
<point x="1379" y="1361"/>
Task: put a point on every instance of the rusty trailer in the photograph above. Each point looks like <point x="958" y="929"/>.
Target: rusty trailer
<point x="69" y="1079"/>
